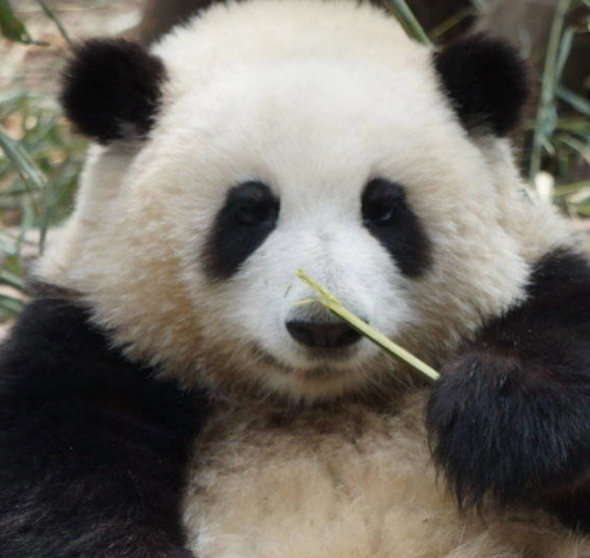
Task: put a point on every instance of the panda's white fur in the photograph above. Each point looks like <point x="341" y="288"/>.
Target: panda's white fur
<point x="314" y="98"/>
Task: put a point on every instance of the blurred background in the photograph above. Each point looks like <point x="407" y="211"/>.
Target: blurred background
<point x="40" y="159"/>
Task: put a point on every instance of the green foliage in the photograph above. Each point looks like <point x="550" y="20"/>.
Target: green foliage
<point x="38" y="174"/>
<point x="12" y="27"/>
<point x="39" y="167"/>
<point x="405" y="16"/>
<point x="557" y="52"/>
<point x="561" y="130"/>
<point x="51" y="15"/>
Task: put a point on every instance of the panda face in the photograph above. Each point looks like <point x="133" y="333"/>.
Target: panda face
<point x="255" y="245"/>
<point x="293" y="151"/>
<point x="317" y="172"/>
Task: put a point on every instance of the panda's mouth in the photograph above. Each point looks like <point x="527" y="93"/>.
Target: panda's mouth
<point x="317" y="363"/>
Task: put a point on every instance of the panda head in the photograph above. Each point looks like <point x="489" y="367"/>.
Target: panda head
<point x="268" y="136"/>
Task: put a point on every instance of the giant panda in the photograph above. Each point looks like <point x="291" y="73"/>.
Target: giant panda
<point x="166" y="395"/>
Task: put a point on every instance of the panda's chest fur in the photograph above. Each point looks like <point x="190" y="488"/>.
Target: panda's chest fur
<point x="345" y="483"/>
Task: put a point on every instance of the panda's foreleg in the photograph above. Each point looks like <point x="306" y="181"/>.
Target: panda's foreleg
<point x="92" y="449"/>
<point x="510" y="416"/>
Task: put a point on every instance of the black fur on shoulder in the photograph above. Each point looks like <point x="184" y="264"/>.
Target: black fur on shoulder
<point x="510" y="415"/>
<point x="486" y="81"/>
<point x="112" y="89"/>
<point x="93" y="448"/>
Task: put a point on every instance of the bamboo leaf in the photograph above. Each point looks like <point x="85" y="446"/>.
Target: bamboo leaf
<point x="10" y="305"/>
<point x="408" y="20"/>
<point x="573" y="143"/>
<point x="26" y="224"/>
<point x="479" y="5"/>
<point x="582" y="209"/>
<point x="573" y="100"/>
<point x="21" y="161"/>
<point x="574" y="188"/>
<point x="546" y="100"/>
<point x="12" y="27"/>
<point x="51" y="15"/>
<point x="7" y="246"/>
<point x="13" y="280"/>
<point x="565" y="49"/>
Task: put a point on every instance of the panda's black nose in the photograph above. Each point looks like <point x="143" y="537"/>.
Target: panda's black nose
<point x="323" y="334"/>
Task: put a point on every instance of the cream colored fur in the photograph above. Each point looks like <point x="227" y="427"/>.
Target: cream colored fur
<point x="345" y="482"/>
<point x="313" y="98"/>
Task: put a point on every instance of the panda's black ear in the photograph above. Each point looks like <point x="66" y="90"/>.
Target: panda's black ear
<point x="487" y="83"/>
<point x="112" y="89"/>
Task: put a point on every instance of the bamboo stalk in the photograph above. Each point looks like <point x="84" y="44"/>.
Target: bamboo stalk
<point x="408" y="20"/>
<point x="330" y="302"/>
<point x="548" y="87"/>
<point x="51" y="15"/>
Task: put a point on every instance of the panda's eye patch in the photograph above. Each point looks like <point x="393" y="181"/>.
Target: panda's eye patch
<point x="388" y="217"/>
<point x="252" y="205"/>
<point x="244" y="222"/>
<point x="381" y="201"/>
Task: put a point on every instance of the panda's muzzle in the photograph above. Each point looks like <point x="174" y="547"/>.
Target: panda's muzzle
<point x="325" y="335"/>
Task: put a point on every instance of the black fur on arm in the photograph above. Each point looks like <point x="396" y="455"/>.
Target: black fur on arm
<point x="93" y="450"/>
<point x="510" y="416"/>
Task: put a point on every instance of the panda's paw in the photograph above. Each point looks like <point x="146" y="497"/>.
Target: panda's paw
<point x="509" y="427"/>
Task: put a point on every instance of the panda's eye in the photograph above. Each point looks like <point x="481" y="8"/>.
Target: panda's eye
<point x="245" y="221"/>
<point x="252" y="205"/>
<point x="381" y="201"/>
<point x="389" y="218"/>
